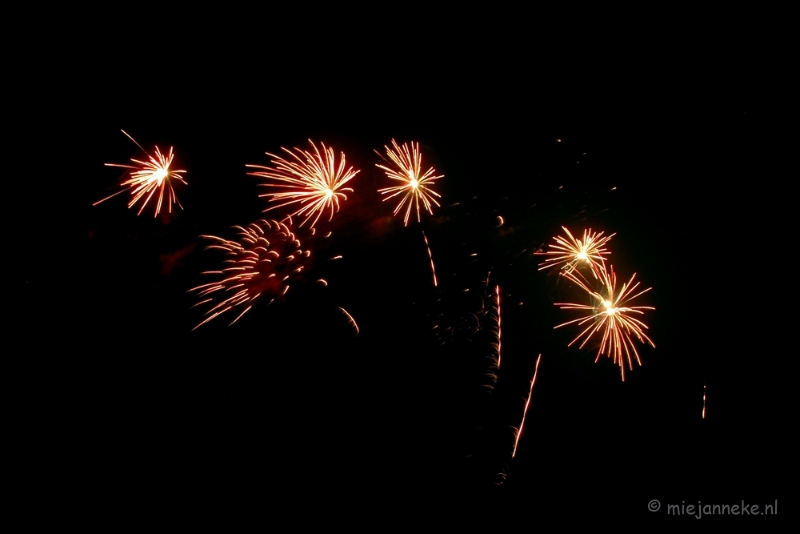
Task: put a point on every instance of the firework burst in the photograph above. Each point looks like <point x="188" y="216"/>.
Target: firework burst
<point x="415" y="185"/>
<point x="261" y="262"/>
<point x="611" y="314"/>
<point x="146" y="177"/>
<point x="569" y="253"/>
<point x="311" y="181"/>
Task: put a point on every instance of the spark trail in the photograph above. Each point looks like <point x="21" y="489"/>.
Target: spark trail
<point x="527" y="403"/>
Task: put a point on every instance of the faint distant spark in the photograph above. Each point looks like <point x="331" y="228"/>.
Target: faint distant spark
<point x="311" y="180"/>
<point x="147" y="177"/>
<point x="415" y="185"/>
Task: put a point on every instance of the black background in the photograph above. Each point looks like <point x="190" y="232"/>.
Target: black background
<point x="652" y="136"/>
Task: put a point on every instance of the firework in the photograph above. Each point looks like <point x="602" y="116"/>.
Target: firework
<point x="611" y="314"/>
<point x="311" y="181"/>
<point x="262" y="262"/>
<point x="527" y="403"/>
<point x="568" y="252"/>
<point x="414" y="185"/>
<point x="146" y="177"/>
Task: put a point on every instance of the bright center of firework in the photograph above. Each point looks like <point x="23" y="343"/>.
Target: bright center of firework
<point x="328" y="193"/>
<point x="582" y="255"/>
<point x="413" y="182"/>
<point x="159" y="175"/>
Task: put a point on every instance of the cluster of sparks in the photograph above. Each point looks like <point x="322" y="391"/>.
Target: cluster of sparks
<point x="311" y="181"/>
<point x="262" y="261"/>
<point x="569" y="253"/>
<point x="266" y="256"/>
<point x="610" y="314"/>
<point x="414" y="185"/>
<point x="145" y="178"/>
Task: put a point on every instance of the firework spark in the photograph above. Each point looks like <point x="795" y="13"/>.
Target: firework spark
<point x="414" y="185"/>
<point x="568" y="252"/>
<point x="350" y="319"/>
<point x="430" y="257"/>
<point x="147" y="177"/>
<point x="527" y="403"/>
<point x="611" y="314"/>
<point x="494" y="315"/>
<point x="499" y="321"/>
<point x="311" y="181"/>
<point x="262" y="262"/>
<point x="704" y="401"/>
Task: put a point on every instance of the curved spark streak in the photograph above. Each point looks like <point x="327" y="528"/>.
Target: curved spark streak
<point x="612" y="315"/>
<point x="568" y="253"/>
<point x="147" y="177"/>
<point x="415" y="185"/>
<point x="313" y="180"/>
<point x="350" y="319"/>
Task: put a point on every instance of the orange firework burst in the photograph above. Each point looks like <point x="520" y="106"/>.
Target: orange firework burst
<point x="311" y="180"/>
<point x="414" y="184"/>
<point x="262" y="262"/>
<point x="147" y="177"/>
<point x="569" y="253"/>
<point x="611" y="314"/>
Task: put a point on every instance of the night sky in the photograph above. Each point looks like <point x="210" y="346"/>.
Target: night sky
<point x="132" y="408"/>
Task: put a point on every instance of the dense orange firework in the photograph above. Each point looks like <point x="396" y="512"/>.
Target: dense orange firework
<point x="147" y="177"/>
<point x="311" y="181"/>
<point x="262" y="262"/>
<point x="414" y="184"/>
<point x="611" y="314"/>
<point x="569" y="253"/>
